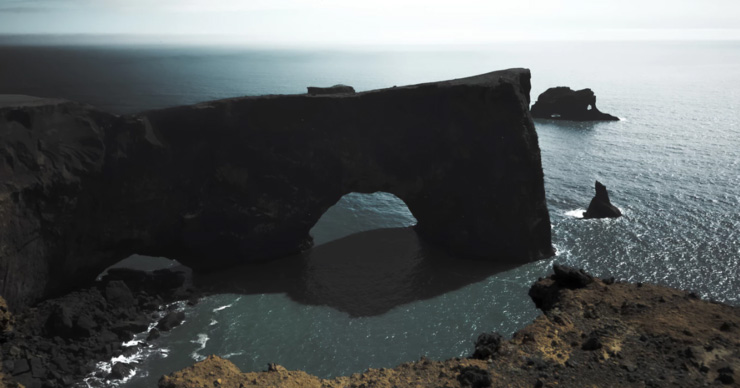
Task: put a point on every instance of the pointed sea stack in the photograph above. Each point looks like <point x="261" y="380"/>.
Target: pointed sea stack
<point x="600" y="206"/>
<point x="564" y="103"/>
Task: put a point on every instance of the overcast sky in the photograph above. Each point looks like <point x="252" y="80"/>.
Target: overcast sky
<point x="378" y="21"/>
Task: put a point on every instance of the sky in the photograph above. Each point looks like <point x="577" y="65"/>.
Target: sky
<point x="377" y="22"/>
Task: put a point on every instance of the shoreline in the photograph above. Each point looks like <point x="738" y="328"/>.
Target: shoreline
<point x="93" y="335"/>
<point x="592" y="332"/>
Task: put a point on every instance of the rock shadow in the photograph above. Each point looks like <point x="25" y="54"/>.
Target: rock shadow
<point x="572" y="125"/>
<point x="364" y="274"/>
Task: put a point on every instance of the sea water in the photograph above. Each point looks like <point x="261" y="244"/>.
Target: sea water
<point x="371" y="294"/>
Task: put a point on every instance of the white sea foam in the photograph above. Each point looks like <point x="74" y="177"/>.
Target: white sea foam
<point x="213" y="322"/>
<point x="222" y="307"/>
<point x="578" y="213"/>
<point x="201" y="340"/>
<point x="92" y="381"/>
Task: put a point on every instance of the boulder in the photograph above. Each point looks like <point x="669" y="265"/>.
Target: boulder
<point x="570" y="277"/>
<point x="131" y="326"/>
<point x="84" y="326"/>
<point x="153" y="335"/>
<point x="21" y="366"/>
<point x="171" y="320"/>
<point x="120" y="371"/>
<point x="601" y="206"/>
<point x="487" y="346"/>
<point x="474" y="377"/>
<point x="59" y="322"/>
<point x="563" y="103"/>
<point x="118" y="294"/>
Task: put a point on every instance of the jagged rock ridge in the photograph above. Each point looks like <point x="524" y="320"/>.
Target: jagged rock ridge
<point x="223" y="182"/>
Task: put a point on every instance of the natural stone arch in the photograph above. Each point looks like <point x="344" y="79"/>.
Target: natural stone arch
<point x="231" y="181"/>
<point x="367" y="211"/>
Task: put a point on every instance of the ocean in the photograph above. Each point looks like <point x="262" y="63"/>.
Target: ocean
<point x="370" y="294"/>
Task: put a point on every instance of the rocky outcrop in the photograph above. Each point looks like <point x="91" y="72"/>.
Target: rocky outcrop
<point x="592" y="333"/>
<point x="564" y="103"/>
<point x="336" y="89"/>
<point x="601" y="206"/>
<point x="60" y="341"/>
<point x="225" y="182"/>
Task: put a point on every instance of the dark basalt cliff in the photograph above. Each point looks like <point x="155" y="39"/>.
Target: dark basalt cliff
<point x="564" y="103"/>
<point x="224" y="182"/>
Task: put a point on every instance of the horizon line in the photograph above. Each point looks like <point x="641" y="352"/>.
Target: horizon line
<point x="607" y="35"/>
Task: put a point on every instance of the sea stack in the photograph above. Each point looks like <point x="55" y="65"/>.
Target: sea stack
<point x="564" y="103"/>
<point x="600" y="206"/>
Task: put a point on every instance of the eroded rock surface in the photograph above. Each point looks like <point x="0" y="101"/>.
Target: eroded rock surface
<point x="224" y="182"/>
<point x="592" y="333"/>
<point x="564" y="103"/>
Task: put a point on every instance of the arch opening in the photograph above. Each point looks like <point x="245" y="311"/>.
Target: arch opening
<point x="589" y="107"/>
<point x="145" y="264"/>
<point x="357" y="212"/>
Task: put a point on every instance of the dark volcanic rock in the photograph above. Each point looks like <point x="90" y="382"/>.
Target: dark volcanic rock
<point x="474" y="377"/>
<point x="487" y="346"/>
<point x="59" y="340"/>
<point x="563" y="103"/>
<point x="119" y="371"/>
<point x="224" y="182"/>
<point x="21" y="366"/>
<point x="118" y="294"/>
<point x="171" y="320"/>
<point x="336" y="89"/>
<point x="545" y="295"/>
<point x="592" y="343"/>
<point x="132" y="326"/>
<point x="570" y="277"/>
<point x="153" y="334"/>
<point x="601" y="206"/>
<point x="59" y="322"/>
<point x="84" y="326"/>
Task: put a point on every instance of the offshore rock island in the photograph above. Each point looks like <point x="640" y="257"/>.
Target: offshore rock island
<point x="224" y="182"/>
<point x="564" y="103"/>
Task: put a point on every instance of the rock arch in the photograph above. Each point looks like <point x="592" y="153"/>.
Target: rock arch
<point x="223" y="182"/>
<point x="358" y="212"/>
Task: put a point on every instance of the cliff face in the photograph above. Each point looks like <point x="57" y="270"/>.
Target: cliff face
<point x="227" y="181"/>
<point x="51" y="161"/>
